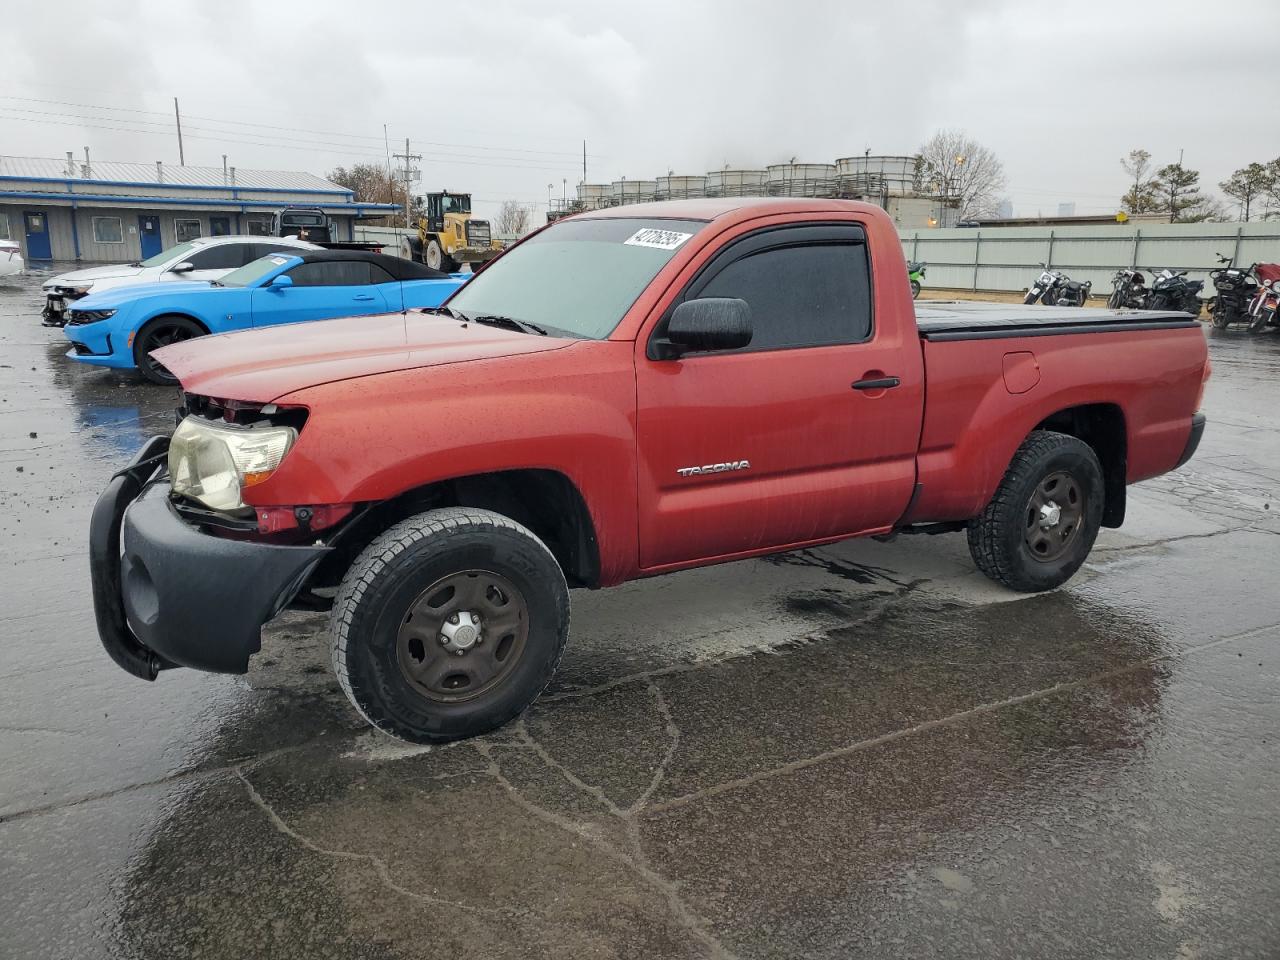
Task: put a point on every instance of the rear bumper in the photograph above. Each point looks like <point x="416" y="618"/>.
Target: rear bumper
<point x="1193" y="441"/>
<point x="165" y="594"/>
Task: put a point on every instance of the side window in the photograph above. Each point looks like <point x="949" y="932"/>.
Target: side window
<point x="804" y="295"/>
<point x="331" y="273"/>
<point x="224" y="256"/>
<point x="266" y="249"/>
<point x="378" y="275"/>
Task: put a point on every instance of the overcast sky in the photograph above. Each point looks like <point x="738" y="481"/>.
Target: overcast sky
<point x="498" y="96"/>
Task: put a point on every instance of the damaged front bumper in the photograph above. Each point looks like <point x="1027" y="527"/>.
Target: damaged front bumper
<point x="166" y="594"/>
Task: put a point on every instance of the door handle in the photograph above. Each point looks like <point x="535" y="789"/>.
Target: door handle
<point x="883" y="383"/>
<point x="362" y="296"/>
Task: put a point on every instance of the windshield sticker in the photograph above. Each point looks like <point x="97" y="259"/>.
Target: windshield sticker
<point x="279" y="261"/>
<point x="657" y="239"/>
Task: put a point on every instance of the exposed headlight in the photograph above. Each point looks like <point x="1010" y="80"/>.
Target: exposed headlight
<point x="80" y="289"/>
<point x="212" y="463"/>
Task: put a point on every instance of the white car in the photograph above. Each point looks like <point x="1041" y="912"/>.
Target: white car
<point x="208" y="258"/>
<point x="10" y="258"/>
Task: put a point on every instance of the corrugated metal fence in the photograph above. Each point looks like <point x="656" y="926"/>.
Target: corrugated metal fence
<point x="1009" y="258"/>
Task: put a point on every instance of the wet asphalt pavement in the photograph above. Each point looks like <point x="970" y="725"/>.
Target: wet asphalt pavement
<point x="860" y="751"/>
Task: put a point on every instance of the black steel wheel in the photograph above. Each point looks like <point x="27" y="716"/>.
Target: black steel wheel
<point x="449" y="624"/>
<point x="162" y="332"/>
<point x="1040" y="526"/>
<point x="463" y="635"/>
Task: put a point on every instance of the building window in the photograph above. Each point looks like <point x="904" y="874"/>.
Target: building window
<point x="187" y="230"/>
<point x="219" y="226"/>
<point x="107" y="230"/>
<point x="4" y="227"/>
<point x="257" y="226"/>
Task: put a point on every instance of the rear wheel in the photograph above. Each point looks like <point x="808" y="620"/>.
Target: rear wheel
<point x="1040" y="525"/>
<point x="411" y="249"/>
<point x="161" y="332"/>
<point x="449" y="625"/>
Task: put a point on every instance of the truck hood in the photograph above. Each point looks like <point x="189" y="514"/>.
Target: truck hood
<point x="114" y="271"/>
<point x="264" y="365"/>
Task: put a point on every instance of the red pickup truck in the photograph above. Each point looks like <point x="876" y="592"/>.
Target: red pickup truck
<point x="623" y="393"/>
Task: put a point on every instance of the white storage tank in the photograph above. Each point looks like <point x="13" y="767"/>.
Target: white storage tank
<point x="633" y="191"/>
<point x="678" y="188"/>
<point x="801" y="179"/>
<point x="592" y="196"/>
<point x="735" y="183"/>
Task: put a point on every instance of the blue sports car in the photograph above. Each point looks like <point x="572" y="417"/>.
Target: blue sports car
<point x="119" y="328"/>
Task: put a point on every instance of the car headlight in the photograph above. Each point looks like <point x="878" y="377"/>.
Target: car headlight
<point x="90" y="316"/>
<point x="213" y="463"/>
<point x="80" y="289"/>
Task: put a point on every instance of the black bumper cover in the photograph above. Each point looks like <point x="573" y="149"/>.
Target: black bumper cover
<point x="167" y="595"/>
<point x="1193" y="441"/>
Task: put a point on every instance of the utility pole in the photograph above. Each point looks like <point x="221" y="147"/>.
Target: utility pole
<point x="409" y="177"/>
<point x="182" y="160"/>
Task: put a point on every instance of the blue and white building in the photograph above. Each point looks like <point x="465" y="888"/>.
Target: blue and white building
<point x="105" y="212"/>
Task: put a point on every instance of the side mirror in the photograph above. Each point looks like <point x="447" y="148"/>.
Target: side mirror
<point x="280" y="282"/>
<point x="711" y="323"/>
<point x="186" y="266"/>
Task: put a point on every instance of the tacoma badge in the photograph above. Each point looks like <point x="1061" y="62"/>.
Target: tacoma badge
<point x="714" y="468"/>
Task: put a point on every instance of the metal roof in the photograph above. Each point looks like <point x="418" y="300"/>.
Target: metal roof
<point x="146" y="174"/>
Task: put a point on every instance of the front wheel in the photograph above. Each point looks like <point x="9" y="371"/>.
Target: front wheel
<point x="449" y="624"/>
<point x="1040" y="525"/>
<point x="915" y="289"/>
<point x="161" y="332"/>
<point x="1032" y="296"/>
<point x="1116" y="300"/>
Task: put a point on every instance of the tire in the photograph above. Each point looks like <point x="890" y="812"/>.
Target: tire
<point x="375" y="650"/>
<point x="1031" y="297"/>
<point x="411" y="249"/>
<point x="158" y="333"/>
<point x="1220" y="317"/>
<point x="1259" y="323"/>
<point x="1116" y="300"/>
<point x="1000" y="539"/>
<point x="915" y="289"/>
<point x="435" y="257"/>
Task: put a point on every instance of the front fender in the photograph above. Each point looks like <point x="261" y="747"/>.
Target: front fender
<point x="371" y="439"/>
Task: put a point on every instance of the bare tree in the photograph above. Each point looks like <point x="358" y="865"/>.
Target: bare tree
<point x="954" y="165"/>
<point x="1141" y="195"/>
<point x="512" y="219"/>
<point x="371" y="184"/>
<point x="1247" y="185"/>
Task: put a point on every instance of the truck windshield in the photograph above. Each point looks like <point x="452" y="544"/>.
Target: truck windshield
<point x="577" y="278"/>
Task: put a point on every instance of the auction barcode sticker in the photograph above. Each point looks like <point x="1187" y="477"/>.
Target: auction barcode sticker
<point x="658" y="239"/>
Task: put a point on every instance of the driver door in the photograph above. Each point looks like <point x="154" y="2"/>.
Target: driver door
<point x="776" y="444"/>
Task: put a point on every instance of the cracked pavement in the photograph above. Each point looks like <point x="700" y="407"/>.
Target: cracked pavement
<point x="866" y="750"/>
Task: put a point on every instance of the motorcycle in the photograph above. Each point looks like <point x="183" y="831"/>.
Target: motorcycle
<point x="1128" y="290"/>
<point x="1263" y="310"/>
<point x="1044" y="286"/>
<point x="1056" y="289"/>
<point x="1236" y="289"/>
<point x="1171" y="290"/>
<point x="915" y="271"/>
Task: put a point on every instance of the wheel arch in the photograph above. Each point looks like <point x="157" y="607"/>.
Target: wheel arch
<point x="544" y="500"/>
<point x="159" y="314"/>
<point x="1103" y="427"/>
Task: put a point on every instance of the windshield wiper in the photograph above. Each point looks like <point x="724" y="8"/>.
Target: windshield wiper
<point x="510" y="323"/>
<point x="443" y="312"/>
<point x="216" y="283"/>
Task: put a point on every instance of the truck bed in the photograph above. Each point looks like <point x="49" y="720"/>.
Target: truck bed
<point x="972" y="320"/>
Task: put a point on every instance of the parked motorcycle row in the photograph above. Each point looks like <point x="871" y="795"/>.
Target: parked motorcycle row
<point x="1241" y="295"/>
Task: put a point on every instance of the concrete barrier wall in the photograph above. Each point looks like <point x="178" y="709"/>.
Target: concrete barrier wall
<point x="1008" y="258"/>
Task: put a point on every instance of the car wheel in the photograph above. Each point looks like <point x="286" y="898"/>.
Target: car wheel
<point x="161" y="332"/>
<point x="449" y="624"/>
<point x="1040" y="525"/>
